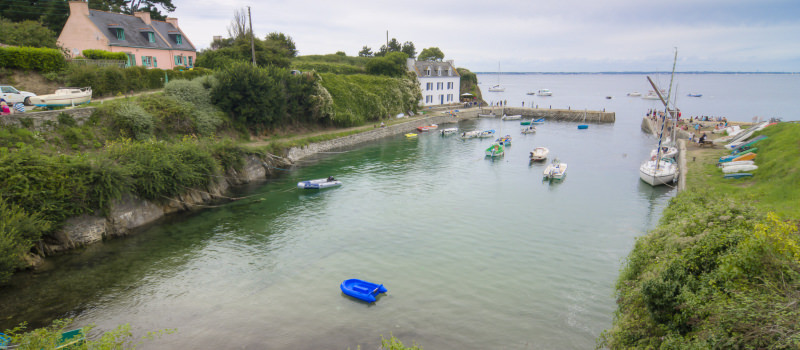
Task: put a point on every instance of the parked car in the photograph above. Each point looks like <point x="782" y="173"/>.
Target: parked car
<point x="12" y="95"/>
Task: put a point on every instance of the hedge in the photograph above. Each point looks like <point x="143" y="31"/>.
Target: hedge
<point x="104" y="55"/>
<point x="31" y="58"/>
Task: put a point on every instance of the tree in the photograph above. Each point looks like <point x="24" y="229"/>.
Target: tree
<point x="27" y="33"/>
<point x="238" y="27"/>
<point x="365" y="52"/>
<point x="131" y="6"/>
<point x="431" y="53"/>
<point x="409" y="49"/>
<point x="341" y="53"/>
<point x="394" y="46"/>
<point x="393" y="65"/>
<point x="282" y="41"/>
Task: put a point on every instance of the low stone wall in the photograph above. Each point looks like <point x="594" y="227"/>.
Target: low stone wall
<point x="555" y="114"/>
<point x="296" y="153"/>
<point x="46" y="120"/>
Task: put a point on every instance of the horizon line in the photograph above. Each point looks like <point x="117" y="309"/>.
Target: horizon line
<point x="644" y="72"/>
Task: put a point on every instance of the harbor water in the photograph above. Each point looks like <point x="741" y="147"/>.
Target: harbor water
<point x="476" y="253"/>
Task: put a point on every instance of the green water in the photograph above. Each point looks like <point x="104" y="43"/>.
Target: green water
<point x="476" y="253"/>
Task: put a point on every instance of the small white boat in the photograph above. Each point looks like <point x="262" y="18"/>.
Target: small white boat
<point x="63" y="97"/>
<point x="470" y="134"/>
<point x="486" y="133"/>
<point x="556" y="170"/>
<point x="449" y="131"/>
<point x="651" y="96"/>
<point x="738" y="162"/>
<point x="635" y="94"/>
<point x="658" y="172"/>
<point x="666" y="152"/>
<point x="545" y="92"/>
<point x="319" y="183"/>
<point x="531" y="93"/>
<point x="511" y="117"/>
<point x="738" y="167"/>
<point x="528" y="130"/>
<point x="539" y="153"/>
<point x="487" y="115"/>
<point x="497" y="88"/>
<point x="495" y="150"/>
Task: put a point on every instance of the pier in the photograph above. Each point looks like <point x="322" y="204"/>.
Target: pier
<point x="573" y="115"/>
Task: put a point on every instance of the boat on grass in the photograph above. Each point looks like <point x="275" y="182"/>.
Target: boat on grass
<point x="495" y="150"/>
<point x="529" y="130"/>
<point x="63" y="97"/>
<point x="555" y="170"/>
<point x="736" y="157"/>
<point x="539" y="153"/>
<point x="363" y="290"/>
<point x="319" y="184"/>
<point x="470" y="134"/>
<point x="737" y="175"/>
<point x="738" y="168"/>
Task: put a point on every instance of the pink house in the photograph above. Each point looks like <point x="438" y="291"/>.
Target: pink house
<point x="147" y="42"/>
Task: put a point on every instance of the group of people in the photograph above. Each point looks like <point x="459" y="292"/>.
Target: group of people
<point x="6" y="109"/>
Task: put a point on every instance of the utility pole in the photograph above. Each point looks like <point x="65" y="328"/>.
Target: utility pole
<point x="252" y="43"/>
<point x="387" y="41"/>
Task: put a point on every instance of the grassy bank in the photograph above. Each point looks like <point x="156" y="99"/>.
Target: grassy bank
<point x="722" y="269"/>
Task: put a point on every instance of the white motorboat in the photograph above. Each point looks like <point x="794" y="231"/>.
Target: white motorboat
<point x="539" y="153"/>
<point x="449" y="131"/>
<point x="658" y="172"/>
<point x="319" y="184"/>
<point x="486" y="133"/>
<point x="528" y="130"/>
<point x="635" y="94"/>
<point x="511" y="117"/>
<point x="545" y="92"/>
<point x="555" y="170"/>
<point x="487" y="115"/>
<point x="738" y="167"/>
<point x="666" y="152"/>
<point x="63" y="97"/>
<point x="470" y="134"/>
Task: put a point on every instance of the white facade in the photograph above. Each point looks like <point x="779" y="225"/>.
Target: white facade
<point x="439" y="81"/>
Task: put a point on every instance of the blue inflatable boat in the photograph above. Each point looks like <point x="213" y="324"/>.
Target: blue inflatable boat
<point x="366" y="291"/>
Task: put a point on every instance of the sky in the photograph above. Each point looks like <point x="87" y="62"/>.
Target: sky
<point x="531" y="35"/>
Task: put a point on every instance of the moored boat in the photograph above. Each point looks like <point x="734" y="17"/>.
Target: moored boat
<point x="63" y="97"/>
<point x="511" y="117"/>
<point x="529" y="130"/>
<point x="470" y="134"/>
<point x="363" y="290"/>
<point x="538" y="121"/>
<point x="497" y="88"/>
<point x="319" y="184"/>
<point x="539" y="153"/>
<point x="411" y="135"/>
<point x="487" y="115"/>
<point x="505" y="140"/>
<point x="694" y="95"/>
<point x="526" y="122"/>
<point x="427" y="127"/>
<point x="658" y="172"/>
<point x="666" y="152"/>
<point x="495" y="150"/>
<point x="555" y="170"/>
<point x="486" y="133"/>
<point x="545" y="92"/>
<point x="449" y="131"/>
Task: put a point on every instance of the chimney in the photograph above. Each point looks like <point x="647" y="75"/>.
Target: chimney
<point x="79" y="7"/>
<point x="173" y="21"/>
<point x="145" y="16"/>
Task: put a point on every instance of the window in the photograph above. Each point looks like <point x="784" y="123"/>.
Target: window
<point x="120" y="33"/>
<point x="151" y="37"/>
<point x="131" y="60"/>
<point x="178" y="39"/>
<point x="190" y="61"/>
<point x="149" y="61"/>
<point x="178" y="60"/>
<point x="428" y="72"/>
<point x="155" y="62"/>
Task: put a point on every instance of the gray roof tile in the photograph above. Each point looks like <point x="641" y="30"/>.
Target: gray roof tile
<point x="136" y="31"/>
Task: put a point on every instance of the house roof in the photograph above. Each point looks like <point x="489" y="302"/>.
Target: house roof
<point x="421" y="66"/>
<point x="136" y="31"/>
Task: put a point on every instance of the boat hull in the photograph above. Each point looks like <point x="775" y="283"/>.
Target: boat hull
<point x="555" y="171"/>
<point x="664" y="174"/>
<point x="318" y="184"/>
<point x="63" y="97"/>
<point x="539" y="153"/>
<point x="362" y="290"/>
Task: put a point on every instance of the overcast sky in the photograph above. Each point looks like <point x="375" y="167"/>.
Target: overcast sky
<point x="531" y="35"/>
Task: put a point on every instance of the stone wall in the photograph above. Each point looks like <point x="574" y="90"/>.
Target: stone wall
<point x="296" y="153"/>
<point x="554" y="114"/>
<point x="46" y="120"/>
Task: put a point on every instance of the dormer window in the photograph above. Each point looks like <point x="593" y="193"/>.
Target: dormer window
<point x="428" y="72"/>
<point x="178" y="39"/>
<point x="151" y="37"/>
<point x="120" y="33"/>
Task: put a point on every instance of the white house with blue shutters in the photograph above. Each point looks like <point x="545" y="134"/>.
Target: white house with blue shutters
<point x="439" y="81"/>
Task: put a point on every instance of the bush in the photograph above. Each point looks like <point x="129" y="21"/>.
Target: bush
<point x="27" y="33"/>
<point x="104" y="55"/>
<point x="393" y="65"/>
<point x="360" y="98"/>
<point x="34" y="59"/>
<point x="127" y="119"/>
<point x="191" y="91"/>
<point x="18" y="232"/>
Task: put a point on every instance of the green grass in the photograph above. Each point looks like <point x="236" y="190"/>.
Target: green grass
<point x="775" y="185"/>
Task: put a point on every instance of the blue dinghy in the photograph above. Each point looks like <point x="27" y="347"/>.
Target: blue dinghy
<point x="538" y="121"/>
<point x="583" y="126"/>
<point x="366" y="291"/>
<point x="319" y="184"/>
<point x="737" y="175"/>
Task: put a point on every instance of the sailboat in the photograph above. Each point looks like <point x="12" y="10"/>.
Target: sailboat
<point x="497" y="88"/>
<point x="660" y="170"/>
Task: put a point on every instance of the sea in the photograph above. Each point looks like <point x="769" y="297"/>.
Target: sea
<point x="476" y="252"/>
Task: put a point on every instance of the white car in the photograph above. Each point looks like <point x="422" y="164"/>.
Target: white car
<point x="12" y="95"/>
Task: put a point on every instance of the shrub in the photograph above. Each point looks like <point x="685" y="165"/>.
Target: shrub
<point x="18" y="231"/>
<point x="128" y="119"/>
<point x="29" y="58"/>
<point x="361" y="98"/>
<point x="66" y="119"/>
<point x="104" y="55"/>
<point x="191" y="91"/>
